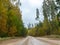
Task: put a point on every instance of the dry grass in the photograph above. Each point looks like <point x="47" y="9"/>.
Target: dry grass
<point x="55" y="37"/>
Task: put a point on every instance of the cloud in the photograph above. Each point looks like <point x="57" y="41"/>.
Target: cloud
<point x="28" y="9"/>
<point x="22" y="1"/>
<point x="35" y="3"/>
<point x="25" y="10"/>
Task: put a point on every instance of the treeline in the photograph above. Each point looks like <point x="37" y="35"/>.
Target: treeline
<point x="51" y="22"/>
<point x="10" y="20"/>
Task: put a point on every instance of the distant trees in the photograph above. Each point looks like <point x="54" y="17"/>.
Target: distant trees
<point x="29" y="26"/>
<point x="10" y="20"/>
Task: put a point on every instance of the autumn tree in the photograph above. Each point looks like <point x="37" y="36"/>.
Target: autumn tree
<point x="11" y="23"/>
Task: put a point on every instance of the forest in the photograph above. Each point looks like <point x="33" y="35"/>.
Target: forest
<point x="51" y="22"/>
<point x="11" y="23"/>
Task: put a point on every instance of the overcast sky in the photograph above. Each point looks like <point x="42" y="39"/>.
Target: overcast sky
<point x="28" y="9"/>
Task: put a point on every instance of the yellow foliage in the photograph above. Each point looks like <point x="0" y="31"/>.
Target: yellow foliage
<point x="12" y="31"/>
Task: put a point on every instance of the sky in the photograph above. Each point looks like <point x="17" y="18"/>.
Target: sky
<point x="28" y="9"/>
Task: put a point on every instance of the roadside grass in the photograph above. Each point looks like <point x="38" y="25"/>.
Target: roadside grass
<point x="5" y="38"/>
<point x="57" y="37"/>
<point x="8" y="38"/>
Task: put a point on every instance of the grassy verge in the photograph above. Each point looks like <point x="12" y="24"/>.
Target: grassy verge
<point x="8" y="38"/>
<point x="57" y="37"/>
<point x="5" y="38"/>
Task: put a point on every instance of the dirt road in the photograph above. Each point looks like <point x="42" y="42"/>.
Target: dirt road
<point x="29" y="41"/>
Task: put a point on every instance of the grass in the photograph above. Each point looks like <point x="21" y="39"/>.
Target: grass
<point x="57" y="37"/>
<point x="5" y="38"/>
<point x="8" y="38"/>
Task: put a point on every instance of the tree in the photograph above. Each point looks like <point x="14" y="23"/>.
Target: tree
<point x="11" y="23"/>
<point x="37" y="14"/>
<point x="50" y="14"/>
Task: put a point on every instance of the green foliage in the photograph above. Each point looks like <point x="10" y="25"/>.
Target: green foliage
<point x="10" y="20"/>
<point x="51" y="23"/>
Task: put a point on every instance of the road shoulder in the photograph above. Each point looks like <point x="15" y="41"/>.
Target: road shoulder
<point x="56" y="42"/>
